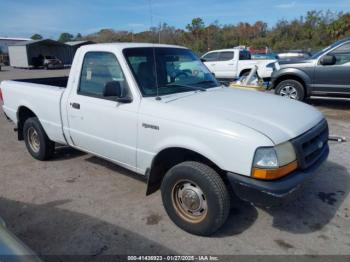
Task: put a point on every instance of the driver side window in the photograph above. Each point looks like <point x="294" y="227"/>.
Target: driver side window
<point x="342" y="54"/>
<point x="211" y="57"/>
<point x="100" y="68"/>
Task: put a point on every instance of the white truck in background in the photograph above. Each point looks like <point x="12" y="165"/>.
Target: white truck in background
<point x="231" y="64"/>
<point x="158" y="111"/>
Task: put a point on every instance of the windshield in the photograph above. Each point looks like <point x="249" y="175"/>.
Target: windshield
<point x="316" y="55"/>
<point x="173" y="70"/>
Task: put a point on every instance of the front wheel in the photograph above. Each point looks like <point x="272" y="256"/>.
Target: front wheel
<point x="292" y="89"/>
<point x="195" y="198"/>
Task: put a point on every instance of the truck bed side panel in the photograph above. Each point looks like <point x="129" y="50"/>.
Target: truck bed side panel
<point x="42" y="100"/>
<point x="50" y="81"/>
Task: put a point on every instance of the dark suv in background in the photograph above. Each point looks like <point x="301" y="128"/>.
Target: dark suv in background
<point x="326" y="73"/>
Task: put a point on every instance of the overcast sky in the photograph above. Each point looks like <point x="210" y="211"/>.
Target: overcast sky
<point x="22" y="18"/>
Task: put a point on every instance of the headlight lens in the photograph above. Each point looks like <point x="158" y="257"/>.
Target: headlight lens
<point x="265" y="157"/>
<point x="272" y="157"/>
<point x="274" y="162"/>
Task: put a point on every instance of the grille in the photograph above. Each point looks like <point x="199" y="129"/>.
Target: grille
<point x="311" y="145"/>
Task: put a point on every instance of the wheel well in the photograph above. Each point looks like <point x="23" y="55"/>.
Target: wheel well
<point x="23" y="114"/>
<point x="289" y="77"/>
<point x="170" y="157"/>
<point x="244" y="71"/>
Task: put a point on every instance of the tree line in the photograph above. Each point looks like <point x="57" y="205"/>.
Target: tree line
<point x="315" y="30"/>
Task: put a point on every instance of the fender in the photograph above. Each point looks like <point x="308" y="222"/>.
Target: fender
<point x="293" y="73"/>
<point x="176" y="149"/>
<point x="155" y="173"/>
<point x="19" y="125"/>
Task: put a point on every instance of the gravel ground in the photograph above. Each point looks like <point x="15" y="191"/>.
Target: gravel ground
<point x="80" y="204"/>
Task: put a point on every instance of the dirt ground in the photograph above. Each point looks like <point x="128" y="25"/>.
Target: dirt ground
<point x="80" y="204"/>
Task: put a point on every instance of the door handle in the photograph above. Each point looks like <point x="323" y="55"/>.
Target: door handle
<point x="75" y="105"/>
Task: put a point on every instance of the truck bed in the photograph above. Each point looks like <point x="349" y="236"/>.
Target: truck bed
<point x="42" y="96"/>
<point x="50" y="81"/>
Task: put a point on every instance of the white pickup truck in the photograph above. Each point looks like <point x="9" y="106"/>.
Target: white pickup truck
<point x="229" y="64"/>
<point x="158" y="111"/>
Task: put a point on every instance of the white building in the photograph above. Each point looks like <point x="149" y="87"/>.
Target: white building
<point x="6" y="41"/>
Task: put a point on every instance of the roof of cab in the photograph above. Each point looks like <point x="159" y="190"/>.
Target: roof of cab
<point x="223" y="50"/>
<point x="122" y="46"/>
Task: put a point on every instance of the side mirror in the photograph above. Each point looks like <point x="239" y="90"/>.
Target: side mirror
<point x="124" y="100"/>
<point x="328" y="60"/>
<point x="113" y="89"/>
<point x="203" y="60"/>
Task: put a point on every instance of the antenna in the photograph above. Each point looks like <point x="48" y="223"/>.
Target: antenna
<point x="154" y="51"/>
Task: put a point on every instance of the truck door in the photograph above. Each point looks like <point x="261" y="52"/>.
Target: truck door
<point x="97" y="123"/>
<point x="225" y="66"/>
<point x="334" y="77"/>
<point x="210" y="60"/>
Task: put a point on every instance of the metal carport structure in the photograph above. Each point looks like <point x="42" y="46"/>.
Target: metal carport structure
<point x="24" y="54"/>
<point x="74" y="45"/>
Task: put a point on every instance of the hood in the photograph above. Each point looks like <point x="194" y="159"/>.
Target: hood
<point x="295" y="61"/>
<point x="278" y="118"/>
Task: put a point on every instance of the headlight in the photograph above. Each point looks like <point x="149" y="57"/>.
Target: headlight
<point x="274" y="162"/>
<point x="265" y="157"/>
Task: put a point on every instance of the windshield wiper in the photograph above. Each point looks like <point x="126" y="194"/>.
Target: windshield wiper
<point x="187" y="86"/>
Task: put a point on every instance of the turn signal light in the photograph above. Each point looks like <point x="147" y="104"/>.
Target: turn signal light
<point x="270" y="174"/>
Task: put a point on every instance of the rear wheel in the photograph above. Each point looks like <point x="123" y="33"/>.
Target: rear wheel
<point x="195" y="198"/>
<point x="292" y="89"/>
<point x="37" y="142"/>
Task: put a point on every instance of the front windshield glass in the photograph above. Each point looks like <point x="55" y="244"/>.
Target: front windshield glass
<point x="173" y="70"/>
<point x="316" y="55"/>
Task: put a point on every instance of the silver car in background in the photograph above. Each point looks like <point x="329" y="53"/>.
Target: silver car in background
<point x="52" y="62"/>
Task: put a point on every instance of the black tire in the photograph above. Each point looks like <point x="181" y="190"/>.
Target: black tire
<point x="40" y="147"/>
<point x="295" y="86"/>
<point x="215" y="195"/>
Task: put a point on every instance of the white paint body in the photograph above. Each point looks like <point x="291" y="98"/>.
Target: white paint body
<point x="224" y="125"/>
<point x="232" y="69"/>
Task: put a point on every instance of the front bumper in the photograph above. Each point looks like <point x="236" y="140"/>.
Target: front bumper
<point x="275" y="191"/>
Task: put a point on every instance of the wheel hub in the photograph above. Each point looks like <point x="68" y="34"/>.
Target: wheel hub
<point x="289" y="91"/>
<point x="190" y="201"/>
<point x="33" y="139"/>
